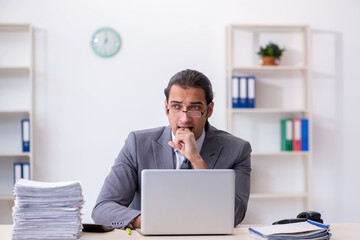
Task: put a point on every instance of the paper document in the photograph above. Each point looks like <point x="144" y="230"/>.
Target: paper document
<point x="300" y="230"/>
<point x="47" y="210"/>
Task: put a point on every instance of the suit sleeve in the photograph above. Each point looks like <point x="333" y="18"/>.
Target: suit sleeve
<point x="242" y="169"/>
<point x="112" y="206"/>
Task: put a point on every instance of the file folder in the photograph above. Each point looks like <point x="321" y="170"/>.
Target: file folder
<point x="243" y="92"/>
<point x="297" y="134"/>
<point x="26" y="171"/>
<point x="25" y="135"/>
<point x="286" y="135"/>
<point x="251" y="92"/>
<point x="17" y="171"/>
<point x="235" y="92"/>
<point x="304" y="134"/>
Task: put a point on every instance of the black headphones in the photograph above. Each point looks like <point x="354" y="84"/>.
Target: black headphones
<point x="302" y="217"/>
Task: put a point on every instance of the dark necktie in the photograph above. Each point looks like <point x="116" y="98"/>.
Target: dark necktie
<point x="186" y="164"/>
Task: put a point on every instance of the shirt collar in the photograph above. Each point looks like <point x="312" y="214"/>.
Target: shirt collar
<point x="198" y="142"/>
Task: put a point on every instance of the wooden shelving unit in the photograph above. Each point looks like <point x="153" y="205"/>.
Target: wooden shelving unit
<point x="16" y="103"/>
<point x="282" y="91"/>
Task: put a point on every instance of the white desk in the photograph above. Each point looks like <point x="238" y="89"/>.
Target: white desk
<point x="340" y="231"/>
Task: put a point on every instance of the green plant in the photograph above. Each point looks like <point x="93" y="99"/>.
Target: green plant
<point x="271" y="50"/>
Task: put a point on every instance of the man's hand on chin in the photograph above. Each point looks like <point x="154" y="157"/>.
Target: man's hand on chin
<point x="185" y="143"/>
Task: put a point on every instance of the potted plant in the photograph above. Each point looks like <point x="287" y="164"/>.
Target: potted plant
<point x="270" y="54"/>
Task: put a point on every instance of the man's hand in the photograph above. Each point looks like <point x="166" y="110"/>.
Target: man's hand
<point x="137" y="222"/>
<point x="184" y="142"/>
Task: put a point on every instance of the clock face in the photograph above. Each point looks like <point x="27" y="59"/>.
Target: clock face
<point x="106" y="42"/>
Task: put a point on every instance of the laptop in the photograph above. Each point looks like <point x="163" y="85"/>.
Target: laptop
<point x="187" y="202"/>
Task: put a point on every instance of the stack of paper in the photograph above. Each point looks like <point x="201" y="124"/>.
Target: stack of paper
<point x="300" y="230"/>
<point x="47" y="210"/>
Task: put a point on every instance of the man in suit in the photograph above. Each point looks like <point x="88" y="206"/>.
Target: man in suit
<point x="189" y="142"/>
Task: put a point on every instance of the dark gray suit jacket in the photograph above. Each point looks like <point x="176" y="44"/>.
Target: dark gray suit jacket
<point x="119" y="199"/>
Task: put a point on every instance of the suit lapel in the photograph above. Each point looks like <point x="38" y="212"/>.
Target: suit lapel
<point x="163" y="153"/>
<point x="211" y="149"/>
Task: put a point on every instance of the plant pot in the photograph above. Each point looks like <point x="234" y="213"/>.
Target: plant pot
<point x="269" y="61"/>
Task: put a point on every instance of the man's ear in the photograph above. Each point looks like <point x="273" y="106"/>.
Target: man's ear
<point x="210" y="110"/>
<point x="165" y="106"/>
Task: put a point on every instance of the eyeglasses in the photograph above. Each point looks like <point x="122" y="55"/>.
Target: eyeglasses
<point x="191" y="113"/>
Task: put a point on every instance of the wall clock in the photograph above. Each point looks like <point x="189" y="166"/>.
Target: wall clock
<point x="105" y="42"/>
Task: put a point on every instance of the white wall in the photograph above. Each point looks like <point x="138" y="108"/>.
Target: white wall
<point x="85" y="105"/>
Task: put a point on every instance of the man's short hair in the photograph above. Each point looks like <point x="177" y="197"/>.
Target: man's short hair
<point x="191" y="79"/>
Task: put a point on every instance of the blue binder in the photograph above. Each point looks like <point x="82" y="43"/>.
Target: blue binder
<point x="18" y="171"/>
<point x="26" y="171"/>
<point x="243" y="92"/>
<point x="235" y="92"/>
<point x="21" y="170"/>
<point x="304" y="134"/>
<point x="250" y="92"/>
<point x="25" y="135"/>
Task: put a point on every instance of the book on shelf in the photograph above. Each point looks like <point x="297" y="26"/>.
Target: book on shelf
<point x="243" y="92"/>
<point x="294" y="134"/>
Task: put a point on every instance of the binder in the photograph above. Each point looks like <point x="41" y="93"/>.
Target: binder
<point x="17" y="171"/>
<point x="297" y="134"/>
<point x="26" y="171"/>
<point x="251" y="92"/>
<point x="235" y="92"/>
<point x="286" y="134"/>
<point x="243" y="92"/>
<point x="21" y="170"/>
<point x="25" y="135"/>
<point x="304" y="134"/>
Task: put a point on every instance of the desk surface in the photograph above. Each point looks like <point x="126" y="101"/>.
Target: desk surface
<point x="340" y="231"/>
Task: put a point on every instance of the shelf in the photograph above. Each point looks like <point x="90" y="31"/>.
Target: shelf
<point x="7" y="197"/>
<point x="14" y="112"/>
<point x="15" y="27"/>
<point x="277" y="195"/>
<point x="266" y="110"/>
<point x="269" y="28"/>
<point x="280" y="154"/>
<point x="16" y="103"/>
<point x="270" y="68"/>
<point x="281" y="91"/>
<point x="15" y="154"/>
<point x="14" y="69"/>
